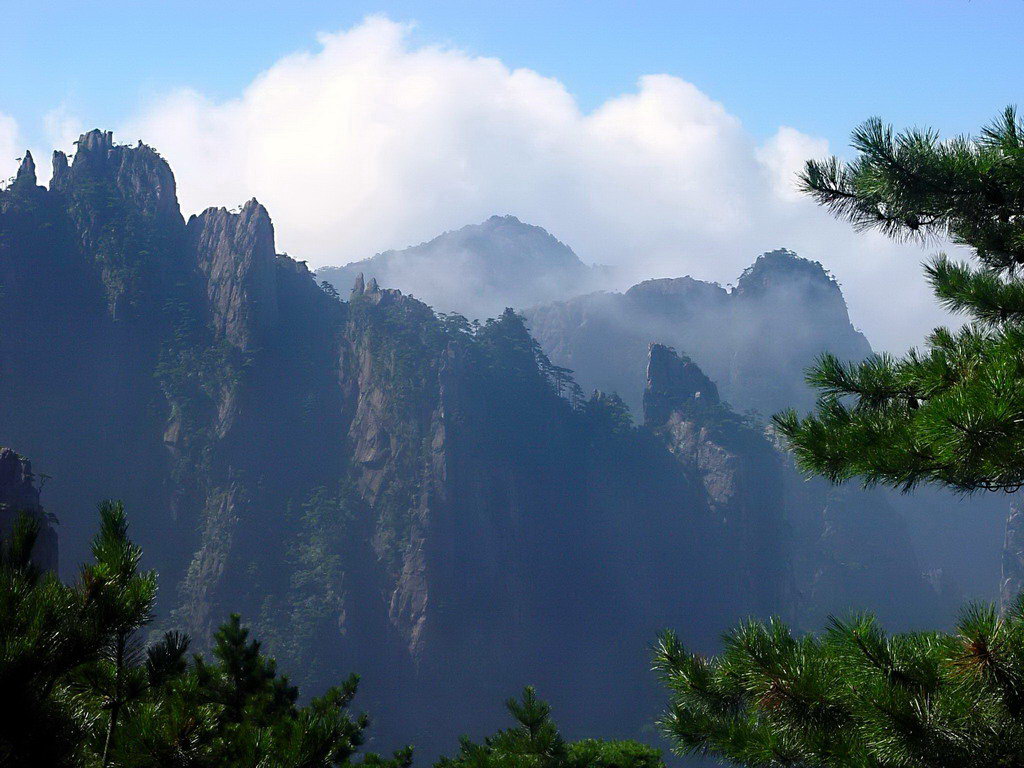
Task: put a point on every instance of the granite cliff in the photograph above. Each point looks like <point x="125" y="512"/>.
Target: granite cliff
<point x="845" y="548"/>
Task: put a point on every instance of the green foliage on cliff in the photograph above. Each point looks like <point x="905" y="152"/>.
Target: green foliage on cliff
<point x="853" y="696"/>
<point x="317" y="556"/>
<point x="534" y="742"/>
<point x="952" y="413"/>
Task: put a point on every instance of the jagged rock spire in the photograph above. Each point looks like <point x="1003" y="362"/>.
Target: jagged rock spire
<point x="96" y="141"/>
<point x="26" y="171"/>
<point x="60" y="169"/>
<point x="359" y="287"/>
<point x="236" y="254"/>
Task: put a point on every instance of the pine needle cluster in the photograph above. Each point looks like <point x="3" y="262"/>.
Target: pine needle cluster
<point x="854" y="696"/>
<point x="951" y="413"/>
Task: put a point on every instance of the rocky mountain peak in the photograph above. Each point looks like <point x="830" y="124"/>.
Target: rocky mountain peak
<point x="674" y="293"/>
<point x="674" y="382"/>
<point x="507" y="219"/>
<point x="95" y="141"/>
<point x="236" y="254"/>
<point x="479" y="269"/>
<point x="138" y="173"/>
<point x="782" y="268"/>
<point x="26" y="171"/>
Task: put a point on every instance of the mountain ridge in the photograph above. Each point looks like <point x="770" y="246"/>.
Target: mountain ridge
<point x="478" y="270"/>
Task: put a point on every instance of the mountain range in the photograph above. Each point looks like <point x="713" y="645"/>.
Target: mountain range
<point x="434" y="503"/>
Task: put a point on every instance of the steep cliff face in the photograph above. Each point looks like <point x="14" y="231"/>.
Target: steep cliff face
<point x="19" y="495"/>
<point x="810" y="547"/>
<point x="738" y="469"/>
<point x="237" y="259"/>
<point x="96" y="286"/>
<point x="755" y="341"/>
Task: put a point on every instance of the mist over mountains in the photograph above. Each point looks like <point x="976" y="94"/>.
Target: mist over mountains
<point x="755" y="339"/>
<point x="439" y="505"/>
<point x="480" y="269"/>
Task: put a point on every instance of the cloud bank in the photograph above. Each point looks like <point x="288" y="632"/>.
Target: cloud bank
<point x="10" y="147"/>
<point x="369" y="143"/>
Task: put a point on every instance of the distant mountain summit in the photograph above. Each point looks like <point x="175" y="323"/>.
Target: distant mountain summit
<point x="480" y="269"/>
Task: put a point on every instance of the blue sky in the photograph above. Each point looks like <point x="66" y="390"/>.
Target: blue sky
<point x="822" y="66"/>
<point x="375" y="135"/>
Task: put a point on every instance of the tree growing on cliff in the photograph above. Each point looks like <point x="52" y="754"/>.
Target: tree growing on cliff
<point x="952" y="413"/>
<point x="853" y="696"/>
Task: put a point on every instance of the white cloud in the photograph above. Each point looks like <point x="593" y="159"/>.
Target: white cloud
<point x="369" y="143"/>
<point x="10" y="147"/>
<point x="784" y="155"/>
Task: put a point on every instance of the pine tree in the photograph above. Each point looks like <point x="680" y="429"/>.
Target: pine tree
<point x="41" y="640"/>
<point x="535" y="742"/>
<point x="952" y="413"/>
<point x="82" y="689"/>
<point x="853" y="697"/>
<point x="128" y="597"/>
<point x="237" y="710"/>
<point x="64" y="648"/>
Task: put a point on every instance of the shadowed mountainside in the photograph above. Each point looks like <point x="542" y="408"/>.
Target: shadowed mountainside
<point x="377" y="488"/>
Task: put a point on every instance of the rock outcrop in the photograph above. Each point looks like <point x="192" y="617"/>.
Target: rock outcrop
<point x="236" y="256"/>
<point x="19" y="495"/>
<point x="740" y="472"/>
<point x="26" y="176"/>
<point x="674" y="382"/>
<point x="1012" y="582"/>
